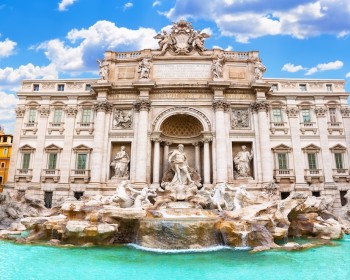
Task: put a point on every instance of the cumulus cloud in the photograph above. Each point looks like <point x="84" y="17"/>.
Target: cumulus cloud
<point x="156" y="3"/>
<point x="10" y="77"/>
<point x="128" y="5"/>
<point x="289" y="67"/>
<point x="249" y="19"/>
<point x="334" y="65"/>
<point x="8" y="103"/>
<point x="79" y="51"/>
<point x="7" y="47"/>
<point x="62" y="6"/>
<point x="347" y="75"/>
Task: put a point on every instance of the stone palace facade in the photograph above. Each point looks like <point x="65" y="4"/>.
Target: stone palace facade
<point x="75" y="137"/>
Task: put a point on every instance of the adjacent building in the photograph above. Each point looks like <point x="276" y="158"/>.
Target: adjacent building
<point x="5" y="154"/>
<point x="214" y="102"/>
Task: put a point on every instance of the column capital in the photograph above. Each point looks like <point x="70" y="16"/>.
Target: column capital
<point x="258" y="106"/>
<point x="220" y="105"/>
<point x="320" y="112"/>
<point x="71" y="111"/>
<point x="44" y="111"/>
<point x="345" y="112"/>
<point x="166" y="143"/>
<point x="196" y="143"/>
<point x="207" y="139"/>
<point x="20" y="111"/>
<point x="292" y="112"/>
<point x="103" y="105"/>
<point x="142" y="105"/>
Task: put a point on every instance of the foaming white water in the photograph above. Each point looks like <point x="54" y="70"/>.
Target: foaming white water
<point x="172" y="251"/>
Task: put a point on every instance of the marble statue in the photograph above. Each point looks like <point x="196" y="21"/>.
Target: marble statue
<point x="198" y="40"/>
<point x="217" y="65"/>
<point x="271" y="190"/>
<point x="120" y="163"/>
<point x="165" y="41"/>
<point x="104" y="70"/>
<point x="242" y="198"/>
<point x="145" y="68"/>
<point x="178" y="162"/>
<point x="122" y="120"/>
<point x="122" y="197"/>
<point x="259" y="69"/>
<point x="242" y="162"/>
<point x="217" y="198"/>
<point x="142" y="197"/>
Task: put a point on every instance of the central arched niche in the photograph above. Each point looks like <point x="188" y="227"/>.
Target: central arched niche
<point x="181" y="126"/>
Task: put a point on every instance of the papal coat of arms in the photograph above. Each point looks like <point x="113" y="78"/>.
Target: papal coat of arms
<point x="183" y="39"/>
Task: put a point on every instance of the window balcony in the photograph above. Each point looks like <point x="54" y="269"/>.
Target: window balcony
<point x="53" y="174"/>
<point x="313" y="174"/>
<point x="85" y="126"/>
<point x="30" y="126"/>
<point x="335" y="126"/>
<point x="275" y="126"/>
<point x="80" y="174"/>
<point x="284" y="174"/>
<point x="308" y="126"/>
<point x="56" y="126"/>
<point x="341" y="175"/>
<point x="26" y="174"/>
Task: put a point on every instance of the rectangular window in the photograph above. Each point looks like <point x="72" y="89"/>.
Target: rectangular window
<point x="312" y="161"/>
<point x="3" y="165"/>
<point x="274" y="87"/>
<point x="32" y="115"/>
<point x="25" y="161"/>
<point x="302" y="87"/>
<point x="338" y="160"/>
<point x="332" y="115"/>
<point x="81" y="161"/>
<point x="0" y="180"/>
<point x="329" y="87"/>
<point x="60" y="87"/>
<point x="277" y="115"/>
<point x="86" y="116"/>
<point x="57" y="115"/>
<point x="282" y="161"/>
<point x="5" y="151"/>
<point x="5" y="139"/>
<point x="52" y="161"/>
<point x="36" y="87"/>
<point x="87" y="87"/>
<point x="305" y="113"/>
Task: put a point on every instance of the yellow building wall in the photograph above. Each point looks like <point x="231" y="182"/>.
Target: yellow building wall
<point x="5" y="155"/>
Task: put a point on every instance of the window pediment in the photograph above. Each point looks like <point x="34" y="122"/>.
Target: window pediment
<point x="82" y="148"/>
<point x="27" y="148"/>
<point x="282" y="148"/>
<point x="311" y="148"/>
<point x="338" y="148"/>
<point x="53" y="148"/>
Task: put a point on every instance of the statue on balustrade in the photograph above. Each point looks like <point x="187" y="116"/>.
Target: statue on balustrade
<point x="121" y="164"/>
<point x="242" y="162"/>
<point x="104" y="70"/>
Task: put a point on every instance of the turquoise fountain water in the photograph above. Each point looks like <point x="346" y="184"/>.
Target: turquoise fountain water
<point x="127" y="262"/>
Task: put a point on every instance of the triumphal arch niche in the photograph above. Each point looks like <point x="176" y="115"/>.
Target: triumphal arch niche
<point x="183" y="113"/>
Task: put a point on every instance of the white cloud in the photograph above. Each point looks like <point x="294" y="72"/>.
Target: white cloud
<point x="7" y="47"/>
<point x="79" y="52"/>
<point x="249" y="19"/>
<point x="347" y="75"/>
<point x="128" y="5"/>
<point x="8" y="103"/>
<point x="334" y="65"/>
<point x="156" y="3"/>
<point x="62" y="6"/>
<point x="10" y="77"/>
<point x="289" y="67"/>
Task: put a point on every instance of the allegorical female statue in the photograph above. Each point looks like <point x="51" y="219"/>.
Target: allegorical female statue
<point x="242" y="162"/>
<point x="120" y="163"/>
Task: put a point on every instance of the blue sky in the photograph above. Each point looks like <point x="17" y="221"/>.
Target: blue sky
<point x="62" y="38"/>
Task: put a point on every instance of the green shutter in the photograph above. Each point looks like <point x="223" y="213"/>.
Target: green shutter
<point x="52" y="161"/>
<point x="282" y="161"/>
<point x="57" y="116"/>
<point x="339" y="160"/>
<point x="277" y="115"/>
<point x="25" y="161"/>
<point x="86" y="116"/>
<point x="81" y="164"/>
<point x="32" y="115"/>
<point x="312" y="161"/>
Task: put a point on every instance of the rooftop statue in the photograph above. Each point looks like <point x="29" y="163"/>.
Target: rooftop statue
<point x="182" y="40"/>
<point x="104" y="70"/>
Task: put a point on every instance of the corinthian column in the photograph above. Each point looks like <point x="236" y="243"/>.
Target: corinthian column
<point x="262" y="108"/>
<point x="143" y="107"/>
<point x="206" y="161"/>
<point x="156" y="160"/>
<point x="220" y="106"/>
<point x="197" y="162"/>
<point x="101" y="107"/>
<point x="345" y="112"/>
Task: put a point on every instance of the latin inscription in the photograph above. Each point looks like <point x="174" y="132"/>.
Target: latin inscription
<point x="126" y="73"/>
<point x="182" y="71"/>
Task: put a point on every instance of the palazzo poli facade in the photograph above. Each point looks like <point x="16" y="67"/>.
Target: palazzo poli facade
<point x="81" y="137"/>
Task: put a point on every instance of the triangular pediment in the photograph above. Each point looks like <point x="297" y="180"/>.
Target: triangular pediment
<point x="338" y="147"/>
<point x="82" y="148"/>
<point x="26" y="148"/>
<point x="282" y="147"/>
<point x="53" y="147"/>
<point x="311" y="147"/>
